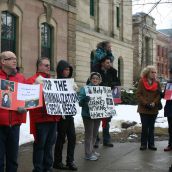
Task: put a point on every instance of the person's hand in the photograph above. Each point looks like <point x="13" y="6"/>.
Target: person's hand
<point x="87" y="99"/>
<point x="39" y="80"/>
<point x="21" y="110"/>
<point x="149" y="106"/>
<point x="75" y="87"/>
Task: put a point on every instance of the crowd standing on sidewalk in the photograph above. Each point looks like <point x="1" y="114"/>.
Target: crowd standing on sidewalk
<point x="50" y="131"/>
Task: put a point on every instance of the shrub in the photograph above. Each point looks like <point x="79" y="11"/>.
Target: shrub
<point x="129" y="97"/>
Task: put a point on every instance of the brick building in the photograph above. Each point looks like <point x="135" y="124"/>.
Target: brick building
<point x="162" y="43"/>
<point x="33" y="29"/>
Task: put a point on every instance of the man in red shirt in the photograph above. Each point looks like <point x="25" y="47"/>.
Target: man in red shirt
<point x="10" y="120"/>
<point x="42" y="125"/>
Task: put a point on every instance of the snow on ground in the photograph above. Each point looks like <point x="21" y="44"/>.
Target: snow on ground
<point x="124" y="113"/>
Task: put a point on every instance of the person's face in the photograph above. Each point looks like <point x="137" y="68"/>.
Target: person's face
<point x="66" y="72"/>
<point x="152" y="74"/>
<point x="106" y="64"/>
<point x="6" y="98"/>
<point x="10" y="61"/>
<point x="108" y="47"/>
<point x="95" y="80"/>
<point x="44" y="66"/>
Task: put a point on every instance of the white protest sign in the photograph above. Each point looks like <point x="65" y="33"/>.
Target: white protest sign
<point x="101" y="103"/>
<point x="28" y="92"/>
<point x="60" y="97"/>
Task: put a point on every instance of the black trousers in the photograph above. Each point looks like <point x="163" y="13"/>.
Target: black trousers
<point x="169" y="119"/>
<point x="9" y="146"/>
<point x="65" y="127"/>
<point x="147" y="134"/>
<point x="43" y="147"/>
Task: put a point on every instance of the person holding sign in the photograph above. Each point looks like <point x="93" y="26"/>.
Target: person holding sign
<point x="91" y="125"/>
<point x="65" y="127"/>
<point x="10" y="120"/>
<point x="42" y="126"/>
<point x="148" y="96"/>
<point x="110" y="79"/>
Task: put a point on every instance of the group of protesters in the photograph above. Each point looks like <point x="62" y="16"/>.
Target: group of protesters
<point x="44" y="127"/>
<point x="49" y="130"/>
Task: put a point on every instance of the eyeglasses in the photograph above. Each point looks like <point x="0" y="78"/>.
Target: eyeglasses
<point x="10" y="58"/>
<point x="95" y="78"/>
<point x="46" y="65"/>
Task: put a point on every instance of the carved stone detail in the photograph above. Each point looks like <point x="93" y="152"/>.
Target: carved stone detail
<point x="48" y="11"/>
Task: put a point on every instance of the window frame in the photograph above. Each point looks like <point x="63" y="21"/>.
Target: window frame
<point x="12" y="40"/>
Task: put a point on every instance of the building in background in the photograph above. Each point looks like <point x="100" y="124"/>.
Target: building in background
<point x="144" y="40"/>
<point x="162" y="46"/>
<point x="34" y="29"/>
<point x="169" y="33"/>
<point x="100" y="20"/>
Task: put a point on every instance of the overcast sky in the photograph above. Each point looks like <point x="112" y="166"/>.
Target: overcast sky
<point x="162" y="12"/>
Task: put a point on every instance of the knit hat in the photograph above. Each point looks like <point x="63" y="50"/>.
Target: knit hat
<point x="97" y="74"/>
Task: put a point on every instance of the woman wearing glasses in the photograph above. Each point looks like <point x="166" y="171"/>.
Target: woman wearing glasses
<point x="148" y="96"/>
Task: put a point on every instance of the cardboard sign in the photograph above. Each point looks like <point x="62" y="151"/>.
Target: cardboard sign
<point x="168" y="92"/>
<point x="101" y="103"/>
<point x="116" y="93"/>
<point x="60" y="97"/>
<point x="14" y="95"/>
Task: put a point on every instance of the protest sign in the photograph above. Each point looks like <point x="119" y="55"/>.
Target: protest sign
<point x="168" y="92"/>
<point x="116" y="93"/>
<point x="14" y="95"/>
<point x="101" y="103"/>
<point x="60" y="97"/>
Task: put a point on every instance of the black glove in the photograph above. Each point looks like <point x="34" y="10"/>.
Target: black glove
<point x="149" y="106"/>
<point x="87" y="99"/>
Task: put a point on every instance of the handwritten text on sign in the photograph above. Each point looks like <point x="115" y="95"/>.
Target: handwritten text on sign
<point x="101" y="102"/>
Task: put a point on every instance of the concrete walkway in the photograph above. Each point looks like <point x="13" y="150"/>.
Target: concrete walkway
<point x="123" y="157"/>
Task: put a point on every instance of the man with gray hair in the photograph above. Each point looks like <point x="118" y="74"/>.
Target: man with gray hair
<point x="10" y="120"/>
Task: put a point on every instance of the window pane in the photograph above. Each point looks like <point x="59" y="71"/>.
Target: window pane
<point x="45" y="40"/>
<point x="91" y="7"/>
<point x="8" y="31"/>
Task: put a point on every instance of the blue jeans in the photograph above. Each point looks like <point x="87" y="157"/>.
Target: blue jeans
<point x="43" y="146"/>
<point x="147" y="135"/>
<point x="9" y="146"/>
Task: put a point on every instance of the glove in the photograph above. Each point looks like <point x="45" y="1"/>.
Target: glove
<point x="149" y="106"/>
<point x="21" y="110"/>
<point x="39" y="80"/>
<point x="87" y="99"/>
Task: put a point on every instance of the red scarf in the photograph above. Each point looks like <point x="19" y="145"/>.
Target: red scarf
<point x="152" y="87"/>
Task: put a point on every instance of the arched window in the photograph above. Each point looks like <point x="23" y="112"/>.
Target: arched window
<point x="8" y="32"/>
<point x="46" y="40"/>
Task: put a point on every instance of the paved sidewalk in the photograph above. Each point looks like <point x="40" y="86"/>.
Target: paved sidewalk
<point x="123" y="157"/>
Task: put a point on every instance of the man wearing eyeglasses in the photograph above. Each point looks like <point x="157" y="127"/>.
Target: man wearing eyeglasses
<point x="10" y="120"/>
<point x="42" y="125"/>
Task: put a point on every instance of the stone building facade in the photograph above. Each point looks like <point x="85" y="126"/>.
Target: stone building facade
<point x="34" y="29"/>
<point x="162" y="48"/>
<point x="99" y="20"/>
<point x="144" y="40"/>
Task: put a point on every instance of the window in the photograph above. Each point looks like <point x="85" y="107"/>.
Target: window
<point x="117" y="17"/>
<point x="91" y="7"/>
<point x="46" y="38"/>
<point x="8" y="32"/>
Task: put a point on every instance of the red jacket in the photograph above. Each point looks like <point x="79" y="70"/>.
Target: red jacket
<point x="11" y="117"/>
<point x="39" y="115"/>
